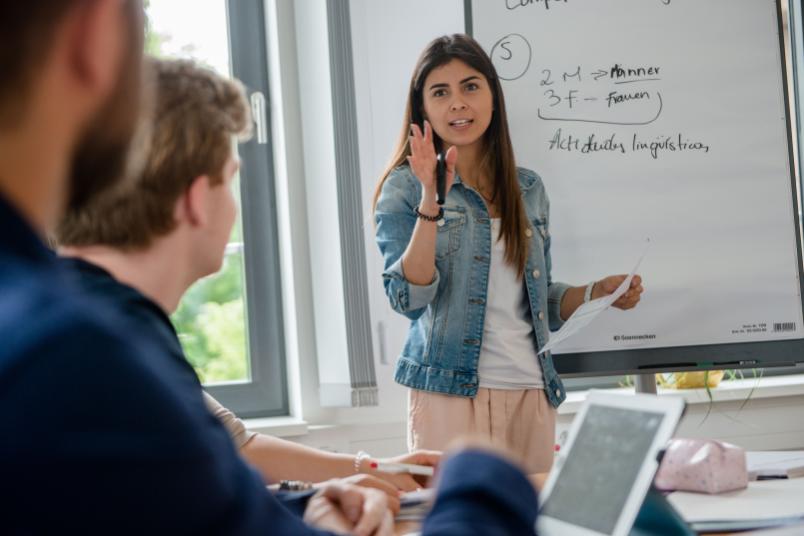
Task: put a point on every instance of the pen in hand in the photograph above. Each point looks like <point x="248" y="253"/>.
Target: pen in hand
<point x="441" y="178"/>
<point x="396" y="468"/>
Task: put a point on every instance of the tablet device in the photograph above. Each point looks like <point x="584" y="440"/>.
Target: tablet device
<point x="600" y="477"/>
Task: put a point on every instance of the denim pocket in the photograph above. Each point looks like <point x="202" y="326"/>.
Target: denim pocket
<point x="450" y="232"/>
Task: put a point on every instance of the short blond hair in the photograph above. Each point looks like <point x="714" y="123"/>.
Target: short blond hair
<point x="196" y="114"/>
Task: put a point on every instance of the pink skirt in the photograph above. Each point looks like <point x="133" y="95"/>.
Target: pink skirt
<point x="521" y="420"/>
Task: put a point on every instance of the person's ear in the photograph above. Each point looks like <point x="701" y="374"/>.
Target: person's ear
<point x="96" y="37"/>
<point x="193" y="205"/>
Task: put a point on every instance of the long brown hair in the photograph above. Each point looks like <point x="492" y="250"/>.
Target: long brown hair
<point x="498" y="155"/>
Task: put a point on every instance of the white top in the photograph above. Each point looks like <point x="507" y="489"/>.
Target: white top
<point x="508" y="358"/>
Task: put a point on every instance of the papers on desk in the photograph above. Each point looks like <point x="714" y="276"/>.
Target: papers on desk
<point x="587" y="312"/>
<point x="775" y="464"/>
<point x="763" y="504"/>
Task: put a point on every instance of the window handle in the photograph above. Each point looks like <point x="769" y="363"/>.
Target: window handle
<point x="259" y="116"/>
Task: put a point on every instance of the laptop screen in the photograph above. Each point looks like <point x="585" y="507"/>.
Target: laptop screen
<point x="601" y="467"/>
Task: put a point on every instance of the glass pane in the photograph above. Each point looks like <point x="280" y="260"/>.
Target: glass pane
<point x="191" y="29"/>
<point x="211" y="318"/>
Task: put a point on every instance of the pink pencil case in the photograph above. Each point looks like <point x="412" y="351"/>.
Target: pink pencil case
<point x="702" y="465"/>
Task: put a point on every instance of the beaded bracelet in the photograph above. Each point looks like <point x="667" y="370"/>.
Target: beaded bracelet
<point x="359" y="457"/>
<point x="425" y="217"/>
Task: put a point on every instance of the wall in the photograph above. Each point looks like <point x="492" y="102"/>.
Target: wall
<point x="387" y="34"/>
<point x="302" y="119"/>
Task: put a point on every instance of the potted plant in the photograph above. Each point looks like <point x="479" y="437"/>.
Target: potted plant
<point x="696" y="379"/>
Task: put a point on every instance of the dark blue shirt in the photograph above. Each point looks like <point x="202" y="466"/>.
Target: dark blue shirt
<point x="103" y="428"/>
<point x="149" y="320"/>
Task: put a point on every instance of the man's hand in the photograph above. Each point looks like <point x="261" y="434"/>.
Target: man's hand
<point x="349" y="509"/>
<point x="374" y="482"/>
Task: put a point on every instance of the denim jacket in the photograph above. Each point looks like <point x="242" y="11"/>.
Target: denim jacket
<point x="447" y="316"/>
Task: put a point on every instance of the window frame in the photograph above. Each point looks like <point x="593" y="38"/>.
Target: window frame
<point x="265" y="394"/>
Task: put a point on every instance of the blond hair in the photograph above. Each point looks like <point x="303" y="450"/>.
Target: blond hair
<point x="196" y="114"/>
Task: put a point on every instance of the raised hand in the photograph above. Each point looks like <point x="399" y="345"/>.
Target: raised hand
<point x="422" y="159"/>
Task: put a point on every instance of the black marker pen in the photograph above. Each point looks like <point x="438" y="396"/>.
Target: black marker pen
<point x="441" y="178"/>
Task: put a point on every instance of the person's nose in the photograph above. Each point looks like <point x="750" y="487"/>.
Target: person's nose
<point x="457" y="105"/>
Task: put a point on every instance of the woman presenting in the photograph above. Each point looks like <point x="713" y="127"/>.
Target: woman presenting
<point x="473" y="275"/>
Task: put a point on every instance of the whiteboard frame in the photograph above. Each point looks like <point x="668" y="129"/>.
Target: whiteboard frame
<point x="743" y="355"/>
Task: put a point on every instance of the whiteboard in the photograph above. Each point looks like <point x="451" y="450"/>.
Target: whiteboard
<point x="663" y="120"/>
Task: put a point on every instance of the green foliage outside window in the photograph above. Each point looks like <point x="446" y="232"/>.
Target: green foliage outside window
<point x="210" y="322"/>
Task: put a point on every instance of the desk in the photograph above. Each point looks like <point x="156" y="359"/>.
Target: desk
<point x="768" y="498"/>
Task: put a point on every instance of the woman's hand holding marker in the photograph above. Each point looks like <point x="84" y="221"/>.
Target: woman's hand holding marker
<point x="423" y="159"/>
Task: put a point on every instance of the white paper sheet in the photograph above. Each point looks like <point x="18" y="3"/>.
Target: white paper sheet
<point x="587" y="312"/>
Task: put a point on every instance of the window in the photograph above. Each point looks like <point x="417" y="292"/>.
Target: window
<point x="230" y="323"/>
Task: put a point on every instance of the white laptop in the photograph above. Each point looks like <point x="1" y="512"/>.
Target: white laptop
<point x="601" y="475"/>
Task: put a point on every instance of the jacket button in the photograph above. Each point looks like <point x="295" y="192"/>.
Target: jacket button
<point x="440" y="222"/>
<point x="536" y="274"/>
<point x="541" y="315"/>
<point x="528" y="232"/>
